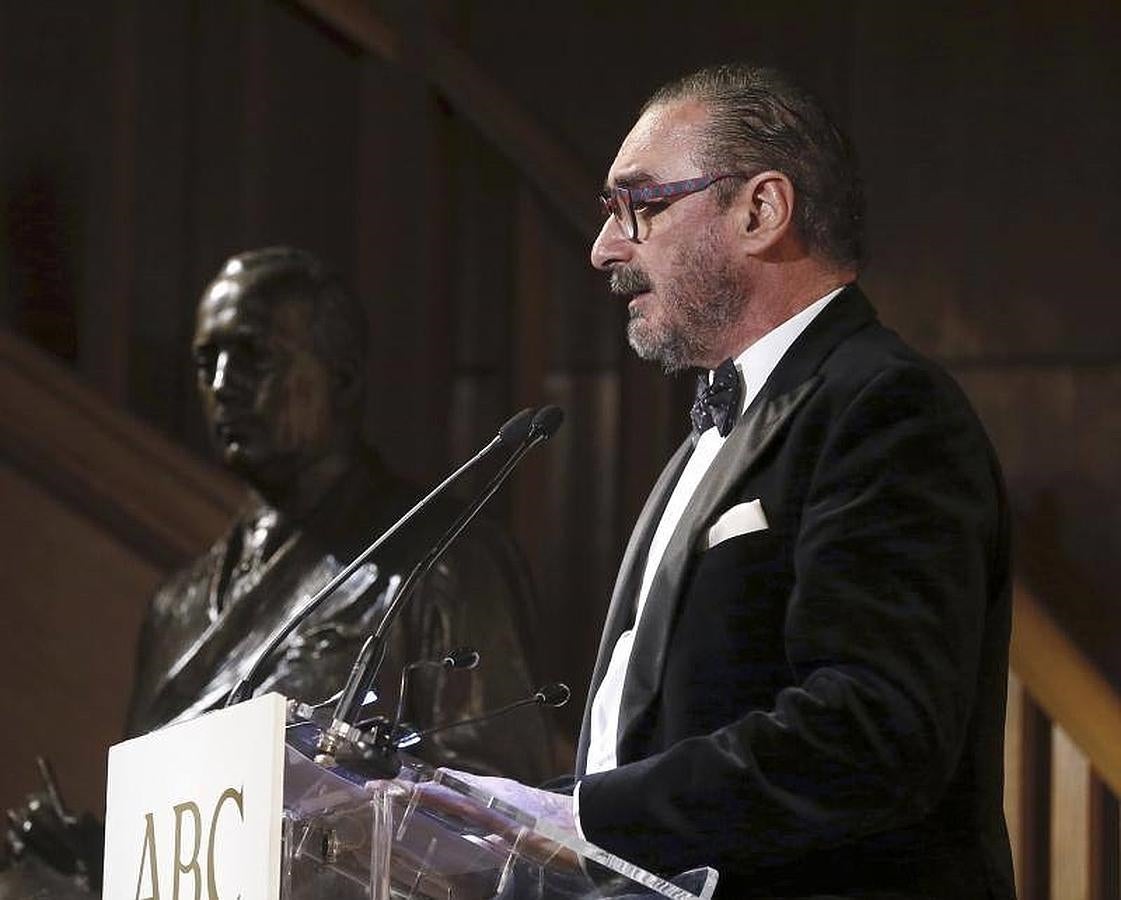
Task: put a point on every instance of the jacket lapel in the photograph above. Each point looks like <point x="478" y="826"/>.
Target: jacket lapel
<point x="624" y="596"/>
<point x="746" y="443"/>
<point x="208" y="667"/>
<point x="790" y="385"/>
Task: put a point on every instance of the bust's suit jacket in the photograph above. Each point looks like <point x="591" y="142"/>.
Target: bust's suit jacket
<point x="817" y="707"/>
<point x="193" y="649"/>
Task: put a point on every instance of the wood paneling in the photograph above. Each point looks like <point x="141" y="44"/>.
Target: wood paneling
<point x="150" y="493"/>
<point x="153" y="142"/>
<point x="72" y="607"/>
<point x="97" y="508"/>
<point x="1057" y="428"/>
<point x="989" y="113"/>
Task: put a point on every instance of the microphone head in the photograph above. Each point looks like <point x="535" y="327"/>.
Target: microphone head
<point x="461" y="658"/>
<point x="547" y="420"/>
<point x="516" y="428"/>
<point x="554" y="694"/>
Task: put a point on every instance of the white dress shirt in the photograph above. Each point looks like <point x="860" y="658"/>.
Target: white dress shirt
<point x="755" y="365"/>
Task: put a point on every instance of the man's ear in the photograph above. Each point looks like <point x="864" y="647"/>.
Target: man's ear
<point x="765" y="211"/>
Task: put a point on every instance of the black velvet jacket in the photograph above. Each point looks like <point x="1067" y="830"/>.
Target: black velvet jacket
<point x="818" y="707"/>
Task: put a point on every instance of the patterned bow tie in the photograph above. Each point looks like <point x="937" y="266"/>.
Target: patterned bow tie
<point x="718" y="402"/>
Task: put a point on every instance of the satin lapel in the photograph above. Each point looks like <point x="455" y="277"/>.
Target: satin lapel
<point x="627" y="582"/>
<point x="752" y="435"/>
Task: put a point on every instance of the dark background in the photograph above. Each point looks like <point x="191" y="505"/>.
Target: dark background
<point x="141" y="143"/>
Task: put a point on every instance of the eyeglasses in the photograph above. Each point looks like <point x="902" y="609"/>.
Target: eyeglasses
<point x="623" y="202"/>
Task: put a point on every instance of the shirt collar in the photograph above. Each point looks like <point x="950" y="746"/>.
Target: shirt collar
<point x="756" y="363"/>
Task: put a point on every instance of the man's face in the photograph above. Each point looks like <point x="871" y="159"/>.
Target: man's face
<point x="681" y="281"/>
<point x="266" y="395"/>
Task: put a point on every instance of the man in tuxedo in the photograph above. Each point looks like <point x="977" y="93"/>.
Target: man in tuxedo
<point x="801" y="678"/>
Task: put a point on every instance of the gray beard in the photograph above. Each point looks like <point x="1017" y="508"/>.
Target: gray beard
<point x="699" y="305"/>
<point x="669" y="346"/>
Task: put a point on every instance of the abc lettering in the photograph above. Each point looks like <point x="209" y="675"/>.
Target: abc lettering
<point x="188" y="843"/>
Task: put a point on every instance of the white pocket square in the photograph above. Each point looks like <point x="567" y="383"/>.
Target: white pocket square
<point x="740" y="519"/>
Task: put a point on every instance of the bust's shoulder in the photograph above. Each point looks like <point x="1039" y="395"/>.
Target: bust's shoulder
<point x="188" y="587"/>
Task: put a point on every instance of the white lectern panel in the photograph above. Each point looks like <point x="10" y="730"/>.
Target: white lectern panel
<point x="194" y="810"/>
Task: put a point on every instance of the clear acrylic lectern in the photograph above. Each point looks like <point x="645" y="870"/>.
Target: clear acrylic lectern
<point x="345" y="837"/>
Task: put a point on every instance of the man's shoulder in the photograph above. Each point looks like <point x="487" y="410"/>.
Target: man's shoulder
<point x="844" y="348"/>
<point x="876" y="358"/>
<point x="877" y="387"/>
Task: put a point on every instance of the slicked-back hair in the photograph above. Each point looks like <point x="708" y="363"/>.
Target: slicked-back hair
<point x="760" y="120"/>
<point x="338" y="323"/>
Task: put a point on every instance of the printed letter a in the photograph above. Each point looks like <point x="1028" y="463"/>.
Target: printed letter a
<point x="148" y="852"/>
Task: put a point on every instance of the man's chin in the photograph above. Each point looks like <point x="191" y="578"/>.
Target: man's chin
<point x="652" y="346"/>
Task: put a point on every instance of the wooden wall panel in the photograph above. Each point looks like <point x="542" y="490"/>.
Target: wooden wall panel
<point x="986" y="133"/>
<point x="56" y="84"/>
<point x="988" y="136"/>
<point x="95" y="508"/>
<point x="601" y="60"/>
<point x="1057" y="429"/>
<point x="575" y="493"/>
<point x="156" y="278"/>
<point x="72" y="607"/>
<point x="405" y="264"/>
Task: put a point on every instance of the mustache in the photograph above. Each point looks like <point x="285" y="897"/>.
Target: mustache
<point x="629" y="280"/>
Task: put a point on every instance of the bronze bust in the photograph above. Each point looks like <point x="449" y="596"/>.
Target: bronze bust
<point x="280" y="351"/>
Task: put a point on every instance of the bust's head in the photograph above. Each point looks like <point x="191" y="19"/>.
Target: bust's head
<point x="280" y="359"/>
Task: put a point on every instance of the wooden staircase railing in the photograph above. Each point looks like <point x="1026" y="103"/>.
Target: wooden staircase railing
<point x="1062" y="764"/>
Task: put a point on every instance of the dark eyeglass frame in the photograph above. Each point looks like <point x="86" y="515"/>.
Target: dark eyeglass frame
<point x="620" y="202"/>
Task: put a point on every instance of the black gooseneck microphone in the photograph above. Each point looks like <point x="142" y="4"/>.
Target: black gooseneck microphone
<point x="459" y="658"/>
<point x="373" y="754"/>
<point x="553" y="695"/>
<point x="545" y="422"/>
<point x="515" y="432"/>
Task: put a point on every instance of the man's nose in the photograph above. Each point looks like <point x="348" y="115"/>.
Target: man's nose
<point x="611" y="245"/>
